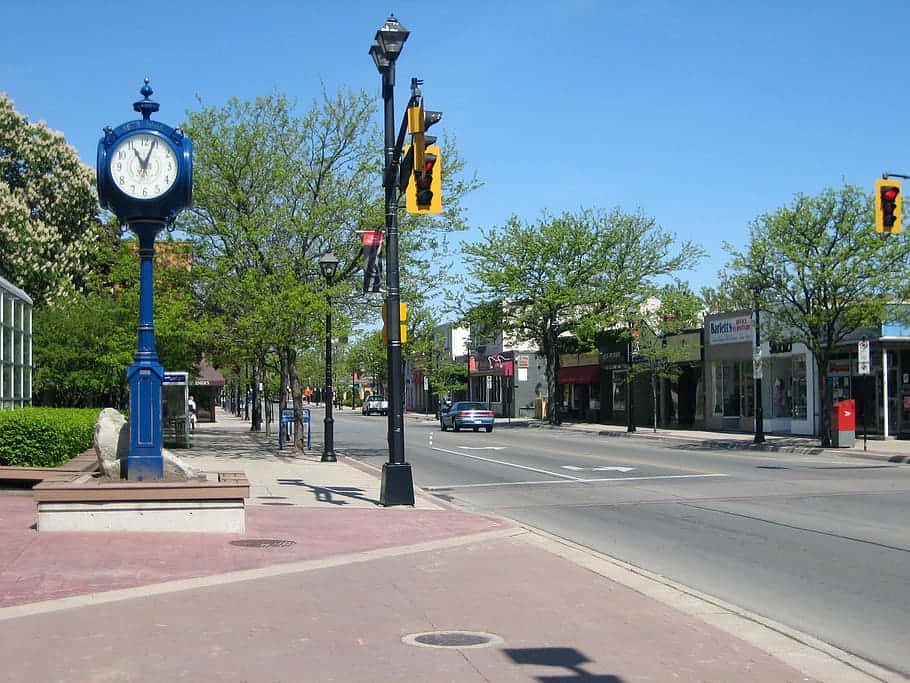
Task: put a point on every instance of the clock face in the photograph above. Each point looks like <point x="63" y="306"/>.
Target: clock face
<point x="143" y="166"/>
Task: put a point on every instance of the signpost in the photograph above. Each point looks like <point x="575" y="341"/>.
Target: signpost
<point x="864" y="368"/>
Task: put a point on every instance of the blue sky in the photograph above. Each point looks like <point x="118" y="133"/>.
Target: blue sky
<point x="704" y="114"/>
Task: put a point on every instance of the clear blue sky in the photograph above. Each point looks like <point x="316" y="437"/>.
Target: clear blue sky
<point x="702" y="113"/>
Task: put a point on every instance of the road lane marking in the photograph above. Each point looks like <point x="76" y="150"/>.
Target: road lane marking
<point x="575" y="468"/>
<point x="563" y="478"/>
<point x="509" y="464"/>
<point x="444" y="487"/>
<point x="483" y="448"/>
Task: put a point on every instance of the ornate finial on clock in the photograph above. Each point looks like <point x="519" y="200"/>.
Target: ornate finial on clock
<point x="146" y="106"/>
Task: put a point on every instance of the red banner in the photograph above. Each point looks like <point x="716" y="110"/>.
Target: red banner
<point x="372" y="263"/>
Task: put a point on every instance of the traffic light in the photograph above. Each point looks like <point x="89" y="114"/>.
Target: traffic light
<point x="888" y="205"/>
<point x="402" y="319"/>
<point x="424" y="194"/>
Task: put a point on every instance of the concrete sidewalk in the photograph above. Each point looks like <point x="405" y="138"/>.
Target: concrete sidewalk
<point x="327" y="585"/>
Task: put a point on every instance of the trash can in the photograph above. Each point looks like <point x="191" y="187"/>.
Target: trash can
<point x="843" y="424"/>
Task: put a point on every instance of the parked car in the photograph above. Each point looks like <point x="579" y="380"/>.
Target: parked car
<point x="466" y="414"/>
<point x="375" y="404"/>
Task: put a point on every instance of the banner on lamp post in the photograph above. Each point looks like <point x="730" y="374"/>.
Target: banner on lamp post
<point x="372" y="263"/>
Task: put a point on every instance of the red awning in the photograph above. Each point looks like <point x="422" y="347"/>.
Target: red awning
<point x="582" y="374"/>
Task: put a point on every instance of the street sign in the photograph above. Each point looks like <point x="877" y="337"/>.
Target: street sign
<point x="756" y="364"/>
<point x="426" y="383"/>
<point x="865" y="366"/>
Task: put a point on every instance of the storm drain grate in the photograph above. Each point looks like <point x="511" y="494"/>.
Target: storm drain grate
<point x="457" y="639"/>
<point x="263" y="543"/>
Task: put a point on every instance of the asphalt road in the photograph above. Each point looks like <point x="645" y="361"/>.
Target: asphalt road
<point x="817" y="542"/>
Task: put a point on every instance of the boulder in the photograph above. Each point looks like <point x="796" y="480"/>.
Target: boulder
<point x="112" y="447"/>
<point x="112" y="442"/>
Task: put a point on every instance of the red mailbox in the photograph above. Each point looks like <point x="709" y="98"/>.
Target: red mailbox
<point x="843" y="423"/>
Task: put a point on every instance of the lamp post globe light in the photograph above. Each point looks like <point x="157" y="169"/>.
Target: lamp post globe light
<point x="397" y="486"/>
<point x="328" y="264"/>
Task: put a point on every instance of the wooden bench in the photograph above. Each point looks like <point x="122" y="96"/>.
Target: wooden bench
<point x="81" y="464"/>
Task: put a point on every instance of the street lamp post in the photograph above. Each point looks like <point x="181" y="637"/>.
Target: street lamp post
<point x="757" y="374"/>
<point x="328" y="264"/>
<point x="397" y="486"/>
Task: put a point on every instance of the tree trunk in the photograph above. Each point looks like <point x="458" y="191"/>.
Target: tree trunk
<point x="256" y="408"/>
<point x="552" y="365"/>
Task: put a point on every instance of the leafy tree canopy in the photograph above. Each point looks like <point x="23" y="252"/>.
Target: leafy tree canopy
<point x="575" y="272"/>
<point x="819" y="266"/>
<point x="48" y="208"/>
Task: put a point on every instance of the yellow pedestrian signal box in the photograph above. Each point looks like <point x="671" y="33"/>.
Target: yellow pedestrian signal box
<point x="424" y="191"/>
<point x="402" y="318"/>
<point x="888" y="205"/>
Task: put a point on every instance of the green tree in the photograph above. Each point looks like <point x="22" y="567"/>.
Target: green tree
<point x="818" y="265"/>
<point x="85" y="342"/>
<point x="48" y="209"/>
<point x="576" y="272"/>
<point x="274" y="190"/>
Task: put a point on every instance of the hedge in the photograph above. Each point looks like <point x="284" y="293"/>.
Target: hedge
<point x="45" y="437"/>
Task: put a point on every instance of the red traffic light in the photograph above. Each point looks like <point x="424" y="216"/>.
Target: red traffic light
<point x="890" y="193"/>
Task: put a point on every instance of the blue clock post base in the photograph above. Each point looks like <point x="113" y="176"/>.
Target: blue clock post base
<point x="397" y="486"/>
<point x="144" y="462"/>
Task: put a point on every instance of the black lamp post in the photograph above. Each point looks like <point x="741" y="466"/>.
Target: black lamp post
<point x="757" y="374"/>
<point x="397" y="486"/>
<point x="328" y="264"/>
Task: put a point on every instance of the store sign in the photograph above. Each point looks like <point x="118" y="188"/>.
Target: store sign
<point x="731" y="330"/>
<point x="690" y="342"/>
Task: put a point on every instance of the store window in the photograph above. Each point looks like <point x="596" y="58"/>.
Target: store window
<point x="619" y="390"/>
<point x="733" y="393"/>
<point x="799" y="387"/>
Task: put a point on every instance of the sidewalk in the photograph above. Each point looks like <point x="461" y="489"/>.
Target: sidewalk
<point x="327" y="585"/>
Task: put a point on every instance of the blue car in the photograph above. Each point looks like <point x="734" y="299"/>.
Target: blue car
<point x="466" y="414"/>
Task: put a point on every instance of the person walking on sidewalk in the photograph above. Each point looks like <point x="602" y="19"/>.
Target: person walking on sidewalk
<point x="191" y="413"/>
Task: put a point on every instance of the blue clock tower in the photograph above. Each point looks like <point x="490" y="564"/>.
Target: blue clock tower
<point x="145" y="176"/>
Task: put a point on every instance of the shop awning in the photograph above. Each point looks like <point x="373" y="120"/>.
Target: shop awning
<point x="582" y="374"/>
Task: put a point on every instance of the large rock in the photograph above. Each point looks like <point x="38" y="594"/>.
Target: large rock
<point x="112" y="442"/>
<point x="112" y="447"/>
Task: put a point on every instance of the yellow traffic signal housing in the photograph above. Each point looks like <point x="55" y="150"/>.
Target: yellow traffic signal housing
<point x="888" y="205"/>
<point x="424" y="192"/>
<point x="402" y="318"/>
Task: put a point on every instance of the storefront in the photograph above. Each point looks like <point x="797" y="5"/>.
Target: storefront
<point x="579" y="379"/>
<point x="883" y="393"/>
<point x="788" y="379"/>
<point x="683" y="395"/>
<point x="614" y="371"/>
<point x="508" y="382"/>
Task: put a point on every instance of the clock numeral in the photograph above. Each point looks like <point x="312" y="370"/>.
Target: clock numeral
<point x="121" y="155"/>
<point x="122" y="180"/>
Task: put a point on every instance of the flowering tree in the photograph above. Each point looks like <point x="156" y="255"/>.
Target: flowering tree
<point x="48" y="208"/>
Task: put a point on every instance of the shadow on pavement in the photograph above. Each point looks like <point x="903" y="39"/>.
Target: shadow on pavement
<point x="562" y="657"/>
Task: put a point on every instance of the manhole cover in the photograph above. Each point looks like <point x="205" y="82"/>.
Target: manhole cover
<point x="263" y="543"/>
<point x="457" y="639"/>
